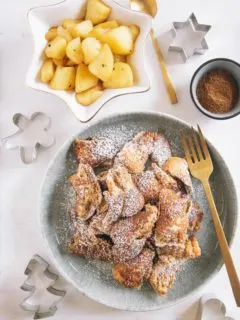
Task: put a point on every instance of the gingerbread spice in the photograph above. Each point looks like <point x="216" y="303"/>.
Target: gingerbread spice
<point x="217" y="91"/>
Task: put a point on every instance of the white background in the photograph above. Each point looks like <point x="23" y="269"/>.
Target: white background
<point x="19" y="232"/>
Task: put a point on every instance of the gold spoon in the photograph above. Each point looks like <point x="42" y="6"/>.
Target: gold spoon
<point x="150" y="7"/>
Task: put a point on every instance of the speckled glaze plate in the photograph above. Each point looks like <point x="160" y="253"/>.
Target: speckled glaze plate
<point x="94" y="277"/>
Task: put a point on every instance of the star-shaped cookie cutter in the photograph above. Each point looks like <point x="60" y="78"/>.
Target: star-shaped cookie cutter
<point x="22" y="123"/>
<point x="30" y="287"/>
<point x="196" y="27"/>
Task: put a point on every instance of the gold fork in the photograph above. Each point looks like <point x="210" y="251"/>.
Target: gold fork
<point x="201" y="167"/>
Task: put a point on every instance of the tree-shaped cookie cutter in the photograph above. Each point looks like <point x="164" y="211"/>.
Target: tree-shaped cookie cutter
<point x="196" y="28"/>
<point x="29" y="154"/>
<point x="30" y="287"/>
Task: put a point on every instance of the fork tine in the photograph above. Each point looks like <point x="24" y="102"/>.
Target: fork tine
<point x="204" y="144"/>
<point x="199" y="151"/>
<point x="185" y="147"/>
<point x="193" y="151"/>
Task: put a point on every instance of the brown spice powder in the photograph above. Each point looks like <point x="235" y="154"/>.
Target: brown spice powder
<point x="217" y="91"/>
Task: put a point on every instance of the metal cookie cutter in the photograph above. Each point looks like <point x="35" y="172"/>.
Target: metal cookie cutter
<point x="198" y="29"/>
<point x="29" y="152"/>
<point x="209" y="303"/>
<point x="38" y="268"/>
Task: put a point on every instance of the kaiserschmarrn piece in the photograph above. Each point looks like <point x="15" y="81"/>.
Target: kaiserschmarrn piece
<point x="135" y="153"/>
<point x="122" y="197"/>
<point x="130" y="234"/>
<point x="164" y="179"/>
<point x="148" y="185"/>
<point x="133" y="199"/>
<point x="85" y="243"/>
<point x="88" y="191"/>
<point x="115" y="201"/>
<point x="102" y="179"/>
<point x="178" y="168"/>
<point x="113" y="206"/>
<point x="161" y="150"/>
<point x="133" y="272"/>
<point x="188" y="250"/>
<point x="96" y="225"/>
<point x="97" y="249"/>
<point x="173" y="221"/>
<point x="150" y="182"/>
<point x="95" y="151"/>
<point x="163" y="274"/>
<point x="195" y="217"/>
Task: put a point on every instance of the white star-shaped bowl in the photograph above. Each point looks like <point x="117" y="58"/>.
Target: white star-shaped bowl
<point x="42" y="18"/>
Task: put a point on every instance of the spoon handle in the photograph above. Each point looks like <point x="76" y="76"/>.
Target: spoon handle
<point x="166" y="78"/>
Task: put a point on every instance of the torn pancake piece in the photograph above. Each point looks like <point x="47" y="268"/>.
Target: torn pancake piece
<point x="161" y="150"/>
<point x="171" y="227"/>
<point x="135" y="153"/>
<point x="132" y="273"/>
<point x="165" y="180"/>
<point x="163" y="274"/>
<point x="95" y="151"/>
<point x="148" y="185"/>
<point x="188" y="250"/>
<point x="130" y="234"/>
<point x="87" y="190"/>
<point x="84" y="243"/>
<point x="133" y="199"/>
<point x="195" y="217"/>
<point x="178" y="168"/>
<point x="97" y="249"/>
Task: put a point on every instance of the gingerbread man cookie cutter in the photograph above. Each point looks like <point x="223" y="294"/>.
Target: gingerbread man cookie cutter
<point x="29" y="153"/>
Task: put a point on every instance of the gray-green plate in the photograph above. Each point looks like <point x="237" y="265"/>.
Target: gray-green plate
<point x="94" y="277"/>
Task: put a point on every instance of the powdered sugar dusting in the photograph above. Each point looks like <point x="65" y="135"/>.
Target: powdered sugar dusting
<point x="133" y="202"/>
<point x="105" y="149"/>
<point x="161" y="150"/>
<point x="148" y="185"/>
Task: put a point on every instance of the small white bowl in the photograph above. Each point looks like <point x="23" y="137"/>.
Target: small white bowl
<point x="42" y="18"/>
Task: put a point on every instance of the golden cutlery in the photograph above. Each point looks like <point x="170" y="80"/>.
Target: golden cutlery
<point x="150" y="7"/>
<point x="201" y="167"/>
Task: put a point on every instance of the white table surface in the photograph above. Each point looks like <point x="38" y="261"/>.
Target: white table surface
<point x="19" y="184"/>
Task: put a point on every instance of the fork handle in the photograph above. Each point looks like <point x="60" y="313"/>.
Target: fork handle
<point x="166" y="78"/>
<point x="232" y="273"/>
